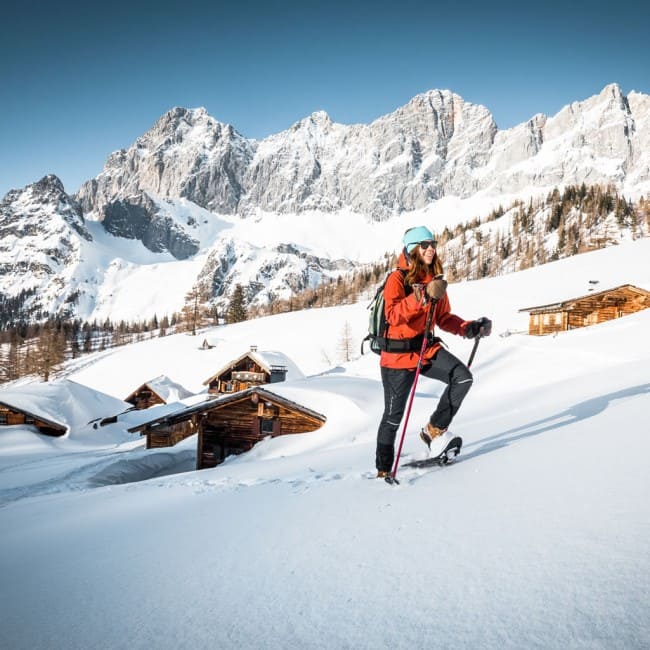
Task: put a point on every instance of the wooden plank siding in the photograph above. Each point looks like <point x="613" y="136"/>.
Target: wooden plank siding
<point x="231" y="424"/>
<point x="170" y="434"/>
<point x="12" y="416"/>
<point x="586" y="310"/>
<point x="144" y="397"/>
<point x="244" y="374"/>
<point x="238" y="425"/>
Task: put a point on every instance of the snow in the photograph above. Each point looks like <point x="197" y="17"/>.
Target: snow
<point x="167" y="390"/>
<point x="536" y="538"/>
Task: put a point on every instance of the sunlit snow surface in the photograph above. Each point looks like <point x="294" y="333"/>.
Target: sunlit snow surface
<point x="536" y="538"/>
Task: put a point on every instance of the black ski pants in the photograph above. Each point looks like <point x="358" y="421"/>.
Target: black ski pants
<point x="397" y="384"/>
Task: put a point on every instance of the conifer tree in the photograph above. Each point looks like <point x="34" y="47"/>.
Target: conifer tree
<point x="237" y="306"/>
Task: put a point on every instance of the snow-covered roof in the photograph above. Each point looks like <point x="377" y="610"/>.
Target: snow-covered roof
<point x="214" y="401"/>
<point x="266" y="359"/>
<point x="565" y="301"/>
<point x="135" y="418"/>
<point x="165" y="388"/>
<point x="63" y="402"/>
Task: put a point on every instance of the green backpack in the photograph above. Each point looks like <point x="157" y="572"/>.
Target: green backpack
<point x="378" y="326"/>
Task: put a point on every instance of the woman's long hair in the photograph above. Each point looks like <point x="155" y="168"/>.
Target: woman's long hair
<point x="418" y="270"/>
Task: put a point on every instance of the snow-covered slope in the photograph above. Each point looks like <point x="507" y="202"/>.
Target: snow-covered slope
<point x="536" y="538"/>
<point x="139" y="261"/>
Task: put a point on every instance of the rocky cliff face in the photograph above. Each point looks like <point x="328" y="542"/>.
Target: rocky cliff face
<point x="139" y="217"/>
<point x="186" y="154"/>
<point x="436" y="145"/>
<point x="41" y="235"/>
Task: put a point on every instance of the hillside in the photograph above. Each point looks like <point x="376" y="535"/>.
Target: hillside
<point x="536" y="538"/>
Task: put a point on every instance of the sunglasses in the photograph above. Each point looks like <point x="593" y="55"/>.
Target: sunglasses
<point x="429" y="242"/>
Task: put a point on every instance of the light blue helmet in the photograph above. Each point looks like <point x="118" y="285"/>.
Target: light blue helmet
<point x="413" y="236"/>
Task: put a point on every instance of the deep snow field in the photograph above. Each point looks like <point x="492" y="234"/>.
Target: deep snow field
<point x="537" y="537"/>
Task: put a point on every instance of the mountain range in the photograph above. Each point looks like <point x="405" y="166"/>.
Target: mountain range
<point x="194" y="201"/>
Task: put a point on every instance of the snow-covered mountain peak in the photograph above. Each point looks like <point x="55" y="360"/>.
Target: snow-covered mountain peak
<point x="320" y="117"/>
<point x="46" y="201"/>
<point x="194" y="128"/>
<point x="186" y="154"/>
<point x="436" y="145"/>
<point x="612" y="90"/>
<point x="48" y="185"/>
<point x="445" y="104"/>
<point x="313" y="126"/>
<point x="42" y="233"/>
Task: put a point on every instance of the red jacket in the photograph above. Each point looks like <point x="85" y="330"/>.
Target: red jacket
<point x="407" y="318"/>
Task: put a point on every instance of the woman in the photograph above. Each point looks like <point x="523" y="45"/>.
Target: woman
<point x="410" y="292"/>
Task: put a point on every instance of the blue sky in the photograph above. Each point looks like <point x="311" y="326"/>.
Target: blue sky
<point x="80" y="80"/>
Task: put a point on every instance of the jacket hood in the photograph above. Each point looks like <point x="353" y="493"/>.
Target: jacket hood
<point x="403" y="262"/>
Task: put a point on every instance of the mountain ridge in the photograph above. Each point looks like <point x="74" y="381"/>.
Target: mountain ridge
<point x="284" y="213"/>
<point x="435" y="145"/>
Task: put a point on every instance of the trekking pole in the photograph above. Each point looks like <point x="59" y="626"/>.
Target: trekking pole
<point x="412" y="395"/>
<point x="477" y="338"/>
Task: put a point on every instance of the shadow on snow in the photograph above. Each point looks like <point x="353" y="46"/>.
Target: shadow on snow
<point x="581" y="411"/>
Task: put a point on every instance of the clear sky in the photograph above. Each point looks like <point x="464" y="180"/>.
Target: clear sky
<point x="79" y="80"/>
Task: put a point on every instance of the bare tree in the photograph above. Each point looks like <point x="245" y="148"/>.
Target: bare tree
<point x="50" y="350"/>
<point x="346" y="342"/>
<point x="195" y="312"/>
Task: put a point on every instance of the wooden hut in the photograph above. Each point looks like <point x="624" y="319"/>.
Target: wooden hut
<point x="160" y="390"/>
<point x="252" y="368"/>
<point x="12" y="414"/>
<point x="586" y="310"/>
<point x="231" y="424"/>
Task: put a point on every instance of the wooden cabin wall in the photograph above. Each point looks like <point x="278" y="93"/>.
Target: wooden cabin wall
<point x="585" y="312"/>
<point x="48" y="429"/>
<point x="549" y="323"/>
<point x="16" y="417"/>
<point x="239" y="417"/>
<point x="145" y="399"/>
<point x="237" y="426"/>
<point x="221" y="383"/>
<point x="12" y="417"/>
<point x="170" y="434"/>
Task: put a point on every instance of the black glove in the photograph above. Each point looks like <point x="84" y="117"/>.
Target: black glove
<point x="480" y="327"/>
<point x="436" y="288"/>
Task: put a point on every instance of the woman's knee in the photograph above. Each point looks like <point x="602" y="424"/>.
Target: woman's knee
<point x="462" y="376"/>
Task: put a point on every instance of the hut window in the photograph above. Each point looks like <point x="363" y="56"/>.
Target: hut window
<point x="546" y="319"/>
<point x="267" y="426"/>
<point x="29" y="419"/>
<point x="558" y="319"/>
<point x="3" y="418"/>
